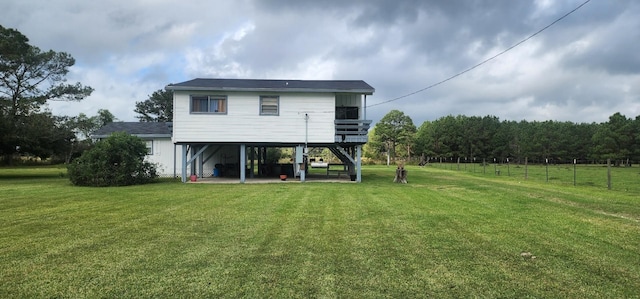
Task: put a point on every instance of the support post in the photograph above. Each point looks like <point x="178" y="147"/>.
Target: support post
<point x="243" y="162"/>
<point x="263" y="153"/>
<point x="298" y="162"/>
<point x="252" y="157"/>
<point x="193" y="160"/>
<point x="359" y="163"/>
<point x="185" y="152"/>
<point x="364" y="108"/>
<point x="201" y="170"/>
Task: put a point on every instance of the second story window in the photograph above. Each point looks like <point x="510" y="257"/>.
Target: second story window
<point x="209" y="104"/>
<point x="269" y="105"/>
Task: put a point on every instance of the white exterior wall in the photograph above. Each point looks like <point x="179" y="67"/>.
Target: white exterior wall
<point x="244" y="124"/>
<point x="163" y="154"/>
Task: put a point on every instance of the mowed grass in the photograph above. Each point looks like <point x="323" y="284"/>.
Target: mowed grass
<point x="445" y="234"/>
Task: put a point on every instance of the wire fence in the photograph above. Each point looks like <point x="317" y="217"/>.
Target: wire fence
<point x="608" y="176"/>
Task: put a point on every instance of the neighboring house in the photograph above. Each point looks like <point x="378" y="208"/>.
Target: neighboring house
<point x="224" y="126"/>
<point x="157" y="136"/>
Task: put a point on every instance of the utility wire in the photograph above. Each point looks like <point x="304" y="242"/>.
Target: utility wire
<point x="484" y="61"/>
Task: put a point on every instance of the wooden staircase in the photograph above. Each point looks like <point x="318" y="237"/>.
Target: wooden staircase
<point x="346" y="155"/>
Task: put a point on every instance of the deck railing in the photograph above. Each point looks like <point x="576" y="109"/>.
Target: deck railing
<point x="352" y="130"/>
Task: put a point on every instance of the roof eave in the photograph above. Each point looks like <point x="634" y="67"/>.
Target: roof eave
<point x="227" y="89"/>
<point x="102" y="136"/>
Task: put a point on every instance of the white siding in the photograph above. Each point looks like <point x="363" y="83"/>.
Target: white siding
<point x="243" y="122"/>
<point x="163" y="155"/>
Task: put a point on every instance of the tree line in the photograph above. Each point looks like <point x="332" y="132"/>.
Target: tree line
<point x="474" y="138"/>
<point x="29" y="78"/>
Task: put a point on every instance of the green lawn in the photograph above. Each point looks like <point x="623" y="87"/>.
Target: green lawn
<point x="447" y="233"/>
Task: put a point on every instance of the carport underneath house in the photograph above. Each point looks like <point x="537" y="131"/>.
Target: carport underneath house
<point x="222" y="160"/>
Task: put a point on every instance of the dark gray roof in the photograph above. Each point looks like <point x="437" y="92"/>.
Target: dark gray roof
<point x="140" y="129"/>
<point x="346" y="86"/>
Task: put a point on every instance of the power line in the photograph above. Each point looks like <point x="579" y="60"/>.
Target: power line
<point x="484" y="61"/>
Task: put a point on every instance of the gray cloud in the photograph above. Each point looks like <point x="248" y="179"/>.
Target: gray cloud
<point x="582" y="69"/>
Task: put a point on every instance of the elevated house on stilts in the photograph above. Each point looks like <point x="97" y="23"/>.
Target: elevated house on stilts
<point x="223" y="127"/>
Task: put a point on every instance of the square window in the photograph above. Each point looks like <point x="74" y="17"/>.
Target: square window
<point x="209" y="104"/>
<point x="269" y="105"/>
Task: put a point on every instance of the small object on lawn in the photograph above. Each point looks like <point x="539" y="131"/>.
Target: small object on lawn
<point x="401" y="175"/>
<point x="527" y="255"/>
<point x="283" y="177"/>
<point x="423" y="162"/>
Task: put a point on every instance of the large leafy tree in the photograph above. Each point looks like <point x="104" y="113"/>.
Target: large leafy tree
<point x="29" y="77"/>
<point x="451" y="134"/>
<point x="85" y="125"/>
<point x="425" y="145"/>
<point x="615" y="139"/>
<point x="503" y="141"/>
<point x="46" y="136"/>
<point x="395" y="129"/>
<point x="157" y="108"/>
<point x="373" y="149"/>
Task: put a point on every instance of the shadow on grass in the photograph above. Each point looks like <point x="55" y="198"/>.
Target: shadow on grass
<point x="28" y="176"/>
<point x="31" y="172"/>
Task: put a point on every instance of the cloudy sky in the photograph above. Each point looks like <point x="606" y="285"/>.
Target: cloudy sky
<point x="582" y="69"/>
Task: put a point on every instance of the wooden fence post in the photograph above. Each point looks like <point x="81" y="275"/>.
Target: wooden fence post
<point x="484" y="166"/>
<point x="575" y="161"/>
<point x="546" y="167"/>
<point x="526" y="168"/>
<point x="609" y="174"/>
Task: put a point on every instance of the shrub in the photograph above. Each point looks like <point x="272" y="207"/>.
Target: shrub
<point x="115" y="161"/>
